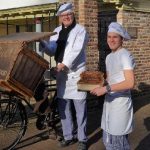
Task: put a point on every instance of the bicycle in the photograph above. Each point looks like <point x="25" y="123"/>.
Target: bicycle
<point x="14" y="119"/>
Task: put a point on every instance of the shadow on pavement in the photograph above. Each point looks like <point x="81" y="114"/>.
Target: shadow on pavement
<point x="32" y="139"/>
<point x="141" y="99"/>
<point x="94" y="138"/>
<point x="145" y="143"/>
<point x="95" y="107"/>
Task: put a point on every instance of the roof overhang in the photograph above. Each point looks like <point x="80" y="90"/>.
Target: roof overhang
<point x="132" y="5"/>
<point x="29" y="12"/>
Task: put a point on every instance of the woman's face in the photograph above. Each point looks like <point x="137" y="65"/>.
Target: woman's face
<point x="114" y="41"/>
<point x="66" y="18"/>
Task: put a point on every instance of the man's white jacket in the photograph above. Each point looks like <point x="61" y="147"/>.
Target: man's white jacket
<point x="74" y="59"/>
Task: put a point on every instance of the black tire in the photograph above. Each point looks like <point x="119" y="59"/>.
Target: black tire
<point x="13" y="123"/>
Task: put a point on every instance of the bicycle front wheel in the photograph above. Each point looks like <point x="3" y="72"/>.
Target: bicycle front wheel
<point x="13" y="122"/>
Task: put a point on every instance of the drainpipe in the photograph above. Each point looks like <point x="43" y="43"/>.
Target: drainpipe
<point x="38" y="28"/>
<point x="7" y="28"/>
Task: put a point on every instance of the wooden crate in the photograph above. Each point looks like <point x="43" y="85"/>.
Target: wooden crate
<point x="21" y="68"/>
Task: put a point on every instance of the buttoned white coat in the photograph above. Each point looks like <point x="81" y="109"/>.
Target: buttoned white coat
<point x="74" y="58"/>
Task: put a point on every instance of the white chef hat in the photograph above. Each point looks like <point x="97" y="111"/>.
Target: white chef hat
<point x="117" y="28"/>
<point x="67" y="7"/>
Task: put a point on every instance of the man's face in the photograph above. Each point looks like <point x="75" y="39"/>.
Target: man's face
<point x="66" y="18"/>
<point x="114" y="41"/>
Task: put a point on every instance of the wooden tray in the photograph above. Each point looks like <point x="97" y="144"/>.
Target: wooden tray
<point x="88" y="87"/>
<point x="90" y="80"/>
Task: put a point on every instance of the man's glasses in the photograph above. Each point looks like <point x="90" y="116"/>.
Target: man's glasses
<point x="66" y="15"/>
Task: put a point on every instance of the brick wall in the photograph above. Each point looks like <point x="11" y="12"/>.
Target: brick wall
<point x="89" y="19"/>
<point x="140" y="47"/>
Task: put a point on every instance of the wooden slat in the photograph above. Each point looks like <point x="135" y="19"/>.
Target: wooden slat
<point x="25" y="37"/>
<point x="11" y="87"/>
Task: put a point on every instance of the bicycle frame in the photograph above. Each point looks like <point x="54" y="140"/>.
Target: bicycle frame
<point x="12" y="110"/>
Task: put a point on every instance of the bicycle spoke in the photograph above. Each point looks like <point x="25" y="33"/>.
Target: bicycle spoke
<point x="12" y="122"/>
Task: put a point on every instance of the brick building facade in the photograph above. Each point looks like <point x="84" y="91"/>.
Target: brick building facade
<point x="135" y="17"/>
<point x="96" y="15"/>
<point x="139" y="46"/>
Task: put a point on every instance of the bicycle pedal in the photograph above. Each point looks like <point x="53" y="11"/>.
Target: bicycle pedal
<point x="40" y="122"/>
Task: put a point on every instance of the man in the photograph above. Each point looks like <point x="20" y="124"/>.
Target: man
<point x="68" y="47"/>
<point x="117" y="117"/>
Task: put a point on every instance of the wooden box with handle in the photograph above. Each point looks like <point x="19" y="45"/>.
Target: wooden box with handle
<point x="21" y="68"/>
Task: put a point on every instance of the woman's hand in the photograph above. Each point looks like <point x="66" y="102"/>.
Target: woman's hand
<point x="99" y="91"/>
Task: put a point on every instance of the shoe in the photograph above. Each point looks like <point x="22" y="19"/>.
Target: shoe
<point x="82" y="145"/>
<point x="64" y="143"/>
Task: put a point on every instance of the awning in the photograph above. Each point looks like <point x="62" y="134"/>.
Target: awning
<point x="29" y="12"/>
<point x="132" y="5"/>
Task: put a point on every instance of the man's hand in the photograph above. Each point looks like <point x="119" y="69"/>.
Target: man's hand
<point x="60" y="67"/>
